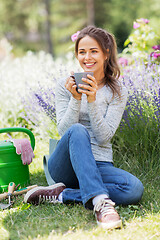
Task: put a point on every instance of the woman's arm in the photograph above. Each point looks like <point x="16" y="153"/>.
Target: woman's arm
<point x="67" y="108"/>
<point x="104" y="127"/>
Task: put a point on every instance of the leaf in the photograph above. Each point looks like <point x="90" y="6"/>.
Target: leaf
<point x="25" y="206"/>
<point x="126" y="42"/>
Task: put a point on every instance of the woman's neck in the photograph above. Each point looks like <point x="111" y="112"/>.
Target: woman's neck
<point x="100" y="81"/>
<point x="101" y="84"/>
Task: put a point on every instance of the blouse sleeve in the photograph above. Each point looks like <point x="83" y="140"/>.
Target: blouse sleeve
<point x="67" y="108"/>
<point x="104" y="127"/>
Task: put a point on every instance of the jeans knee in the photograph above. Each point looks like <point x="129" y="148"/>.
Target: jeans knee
<point x="140" y="190"/>
<point x="78" y="129"/>
<point x="137" y="191"/>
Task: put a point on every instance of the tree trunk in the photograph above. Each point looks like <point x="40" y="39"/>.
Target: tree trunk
<point x="90" y="12"/>
<point x="48" y="28"/>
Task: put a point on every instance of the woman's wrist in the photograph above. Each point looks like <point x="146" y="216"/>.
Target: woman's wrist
<point x="77" y="97"/>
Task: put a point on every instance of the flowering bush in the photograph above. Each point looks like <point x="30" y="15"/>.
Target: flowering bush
<point x="156" y="53"/>
<point x="143" y="103"/>
<point x="20" y="78"/>
<point x="141" y="40"/>
<point x="140" y="125"/>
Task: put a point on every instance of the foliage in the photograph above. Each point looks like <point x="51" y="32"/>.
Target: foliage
<point x="25" y="22"/>
<point x="141" y="40"/>
<point x="21" y="80"/>
<point x="139" y="132"/>
<point x="15" y="74"/>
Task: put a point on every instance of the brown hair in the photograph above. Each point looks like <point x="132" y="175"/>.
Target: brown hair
<point x="108" y="45"/>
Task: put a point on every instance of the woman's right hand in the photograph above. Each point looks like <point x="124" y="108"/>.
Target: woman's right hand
<point x="72" y="87"/>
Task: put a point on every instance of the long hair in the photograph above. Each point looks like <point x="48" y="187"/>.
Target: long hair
<point x="108" y="45"/>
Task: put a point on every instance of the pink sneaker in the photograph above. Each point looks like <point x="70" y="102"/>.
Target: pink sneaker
<point x="41" y="194"/>
<point x="106" y="215"/>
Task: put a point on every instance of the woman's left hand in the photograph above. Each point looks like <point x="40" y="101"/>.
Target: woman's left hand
<point x="91" y="89"/>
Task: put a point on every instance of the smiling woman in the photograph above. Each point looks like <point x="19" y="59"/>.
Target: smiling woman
<point x="87" y="119"/>
<point x="105" y="43"/>
<point x="91" y="58"/>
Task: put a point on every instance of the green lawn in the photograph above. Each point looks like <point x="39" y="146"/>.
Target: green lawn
<point x="48" y="221"/>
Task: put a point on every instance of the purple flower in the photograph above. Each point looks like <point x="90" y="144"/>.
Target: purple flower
<point x="49" y="109"/>
<point x="143" y="105"/>
<point x="156" y="47"/>
<point x="75" y="36"/>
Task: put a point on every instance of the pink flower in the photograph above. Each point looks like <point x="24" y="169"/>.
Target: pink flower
<point x="139" y="22"/>
<point x="75" y="36"/>
<point x="136" y="25"/>
<point x="123" y="61"/>
<point x="155" y="55"/>
<point x="156" y="47"/>
<point x="144" y="20"/>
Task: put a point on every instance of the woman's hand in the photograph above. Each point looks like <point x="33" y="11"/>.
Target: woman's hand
<point x="91" y="89"/>
<point x="71" y="86"/>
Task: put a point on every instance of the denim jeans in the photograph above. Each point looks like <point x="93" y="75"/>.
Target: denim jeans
<point x="73" y="163"/>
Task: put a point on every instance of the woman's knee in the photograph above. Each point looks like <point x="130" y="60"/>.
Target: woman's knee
<point x="136" y="191"/>
<point x="139" y="189"/>
<point x="78" y="129"/>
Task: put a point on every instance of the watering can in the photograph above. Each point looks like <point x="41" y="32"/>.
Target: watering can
<point x="11" y="166"/>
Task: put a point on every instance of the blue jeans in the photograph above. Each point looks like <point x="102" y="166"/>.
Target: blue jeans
<point x="73" y="163"/>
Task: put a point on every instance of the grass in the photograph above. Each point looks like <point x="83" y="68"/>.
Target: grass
<point x="48" y="221"/>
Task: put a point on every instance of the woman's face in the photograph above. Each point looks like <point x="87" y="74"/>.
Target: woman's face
<point x="91" y="57"/>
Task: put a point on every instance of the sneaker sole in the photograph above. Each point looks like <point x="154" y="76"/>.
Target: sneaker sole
<point x="110" y="225"/>
<point x="41" y="188"/>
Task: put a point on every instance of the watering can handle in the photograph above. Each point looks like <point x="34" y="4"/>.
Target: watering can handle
<point x="20" y="129"/>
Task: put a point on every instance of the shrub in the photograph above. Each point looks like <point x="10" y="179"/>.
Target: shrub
<point x="20" y="78"/>
<point x="142" y="41"/>
<point x="139" y="132"/>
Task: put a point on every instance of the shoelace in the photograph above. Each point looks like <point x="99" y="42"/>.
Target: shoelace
<point x="105" y="206"/>
<point x="43" y="198"/>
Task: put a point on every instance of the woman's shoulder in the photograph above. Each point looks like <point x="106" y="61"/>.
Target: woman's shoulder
<point x="111" y="97"/>
<point x="123" y="89"/>
<point x="120" y="85"/>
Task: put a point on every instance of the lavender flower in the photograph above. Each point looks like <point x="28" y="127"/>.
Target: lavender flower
<point x="143" y="83"/>
<point x="49" y="109"/>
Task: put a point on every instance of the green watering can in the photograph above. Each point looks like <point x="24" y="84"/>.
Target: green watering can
<point x="11" y="166"/>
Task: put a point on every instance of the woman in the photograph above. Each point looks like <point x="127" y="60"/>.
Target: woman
<point x="87" y="120"/>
